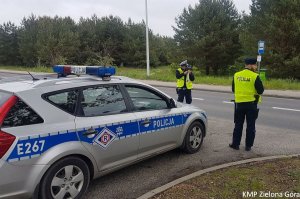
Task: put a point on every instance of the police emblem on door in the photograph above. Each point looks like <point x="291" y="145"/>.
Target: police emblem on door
<point x="105" y="138"/>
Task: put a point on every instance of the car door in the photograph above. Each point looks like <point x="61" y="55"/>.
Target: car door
<point x="105" y="126"/>
<point x="160" y="126"/>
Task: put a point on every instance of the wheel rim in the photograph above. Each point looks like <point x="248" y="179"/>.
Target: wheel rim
<point x="195" y="137"/>
<point x="67" y="182"/>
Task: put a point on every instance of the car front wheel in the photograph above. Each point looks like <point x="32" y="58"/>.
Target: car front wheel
<point x="67" y="178"/>
<point x="193" y="138"/>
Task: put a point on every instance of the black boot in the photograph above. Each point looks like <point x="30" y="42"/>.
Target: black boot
<point x="248" y="148"/>
<point x="234" y="147"/>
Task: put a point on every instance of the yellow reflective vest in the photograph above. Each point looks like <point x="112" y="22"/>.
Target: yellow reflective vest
<point x="180" y="82"/>
<point x="244" y="86"/>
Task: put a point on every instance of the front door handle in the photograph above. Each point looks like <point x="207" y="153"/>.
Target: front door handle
<point x="90" y="131"/>
<point x="146" y="122"/>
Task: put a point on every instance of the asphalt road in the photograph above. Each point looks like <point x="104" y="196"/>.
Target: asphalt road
<point x="5" y="75"/>
<point x="278" y="132"/>
<point x="8" y="77"/>
<point x="274" y="112"/>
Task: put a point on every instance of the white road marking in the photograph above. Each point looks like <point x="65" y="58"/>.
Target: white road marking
<point x="286" y="109"/>
<point x="198" y="99"/>
<point x="228" y="102"/>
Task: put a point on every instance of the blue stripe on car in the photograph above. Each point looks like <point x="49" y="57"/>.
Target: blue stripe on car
<point x="33" y="146"/>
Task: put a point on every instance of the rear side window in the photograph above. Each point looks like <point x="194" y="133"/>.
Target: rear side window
<point x="65" y="100"/>
<point x="20" y="115"/>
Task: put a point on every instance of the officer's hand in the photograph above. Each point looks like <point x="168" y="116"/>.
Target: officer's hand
<point x="186" y="72"/>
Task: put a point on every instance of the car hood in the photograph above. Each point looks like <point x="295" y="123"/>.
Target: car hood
<point x="189" y="107"/>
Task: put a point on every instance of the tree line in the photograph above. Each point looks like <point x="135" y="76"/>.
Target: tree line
<point x="212" y="35"/>
<point x="46" y="41"/>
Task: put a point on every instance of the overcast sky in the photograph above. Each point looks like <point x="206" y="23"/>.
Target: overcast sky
<point x="161" y="13"/>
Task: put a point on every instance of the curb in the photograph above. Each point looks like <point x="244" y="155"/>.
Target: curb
<point x="200" y="89"/>
<point x="225" y="91"/>
<point x="200" y="172"/>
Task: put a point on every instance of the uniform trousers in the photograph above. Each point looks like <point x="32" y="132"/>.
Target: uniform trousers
<point x="184" y="93"/>
<point x="249" y="111"/>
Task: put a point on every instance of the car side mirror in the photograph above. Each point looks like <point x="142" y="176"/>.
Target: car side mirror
<point x="172" y="103"/>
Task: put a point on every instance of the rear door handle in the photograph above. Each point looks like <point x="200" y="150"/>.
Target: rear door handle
<point x="90" y="131"/>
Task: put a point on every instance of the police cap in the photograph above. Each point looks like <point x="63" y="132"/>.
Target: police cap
<point x="250" y="61"/>
<point x="184" y="63"/>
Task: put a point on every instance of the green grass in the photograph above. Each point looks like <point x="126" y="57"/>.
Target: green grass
<point x="282" y="84"/>
<point x="167" y="74"/>
<point x="276" y="176"/>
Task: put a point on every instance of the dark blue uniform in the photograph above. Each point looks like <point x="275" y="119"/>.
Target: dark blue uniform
<point x="249" y="111"/>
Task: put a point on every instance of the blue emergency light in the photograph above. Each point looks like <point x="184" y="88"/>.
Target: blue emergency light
<point x="101" y="71"/>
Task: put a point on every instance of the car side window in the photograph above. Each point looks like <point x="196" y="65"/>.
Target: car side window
<point x="102" y="100"/>
<point x="20" y="115"/>
<point x="144" y="99"/>
<point x="65" y="100"/>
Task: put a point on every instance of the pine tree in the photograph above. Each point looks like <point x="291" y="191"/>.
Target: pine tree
<point x="209" y="34"/>
<point x="278" y="23"/>
<point x="9" y="49"/>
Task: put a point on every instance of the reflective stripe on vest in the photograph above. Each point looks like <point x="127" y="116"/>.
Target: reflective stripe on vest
<point x="180" y="82"/>
<point x="244" y="86"/>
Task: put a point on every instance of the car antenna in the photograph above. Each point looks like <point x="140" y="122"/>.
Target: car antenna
<point x="33" y="78"/>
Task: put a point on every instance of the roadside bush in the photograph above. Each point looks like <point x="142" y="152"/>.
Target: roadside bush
<point x="173" y="67"/>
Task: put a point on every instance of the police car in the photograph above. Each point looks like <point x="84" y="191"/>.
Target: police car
<point x="57" y="134"/>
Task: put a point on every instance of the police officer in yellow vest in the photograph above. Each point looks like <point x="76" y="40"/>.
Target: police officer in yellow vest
<point x="185" y="77"/>
<point x="247" y="88"/>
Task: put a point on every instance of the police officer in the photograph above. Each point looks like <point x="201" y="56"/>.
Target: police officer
<point x="247" y="88"/>
<point x="185" y="77"/>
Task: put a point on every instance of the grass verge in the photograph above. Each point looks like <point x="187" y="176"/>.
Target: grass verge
<point x="167" y="74"/>
<point x="271" y="179"/>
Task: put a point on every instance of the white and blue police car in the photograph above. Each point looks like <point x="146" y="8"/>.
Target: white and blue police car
<point x="56" y="134"/>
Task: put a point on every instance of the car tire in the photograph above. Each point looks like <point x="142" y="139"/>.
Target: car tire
<point x="193" y="138"/>
<point x="67" y="177"/>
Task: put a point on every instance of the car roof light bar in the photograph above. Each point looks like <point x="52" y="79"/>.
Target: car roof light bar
<point x="101" y="71"/>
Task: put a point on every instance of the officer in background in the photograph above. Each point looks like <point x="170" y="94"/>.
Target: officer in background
<point x="247" y="88"/>
<point x="185" y="77"/>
